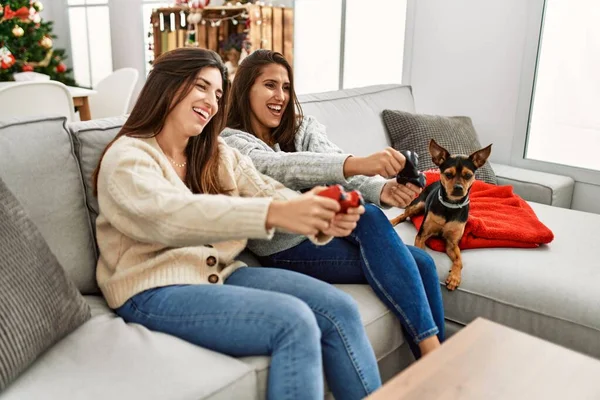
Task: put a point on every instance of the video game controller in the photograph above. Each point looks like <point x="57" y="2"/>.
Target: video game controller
<point x="346" y="199"/>
<point x="410" y="173"/>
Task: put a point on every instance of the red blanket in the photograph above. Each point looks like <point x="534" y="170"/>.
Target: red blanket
<point x="497" y="218"/>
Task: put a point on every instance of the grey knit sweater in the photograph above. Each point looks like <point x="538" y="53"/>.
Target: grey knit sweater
<point x="317" y="161"/>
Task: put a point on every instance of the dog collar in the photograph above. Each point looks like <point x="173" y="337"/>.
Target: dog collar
<point x="452" y="205"/>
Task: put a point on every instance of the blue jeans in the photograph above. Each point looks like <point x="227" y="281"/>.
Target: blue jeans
<point x="304" y="324"/>
<point x="403" y="277"/>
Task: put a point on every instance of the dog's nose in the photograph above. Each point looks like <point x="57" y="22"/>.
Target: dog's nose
<point x="458" y="188"/>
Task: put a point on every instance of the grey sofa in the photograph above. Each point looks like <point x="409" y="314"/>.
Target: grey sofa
<point x="549" y="292"/>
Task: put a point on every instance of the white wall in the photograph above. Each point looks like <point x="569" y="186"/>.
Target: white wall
<point x="127" y="38"/>
<point x="467" y="59"/>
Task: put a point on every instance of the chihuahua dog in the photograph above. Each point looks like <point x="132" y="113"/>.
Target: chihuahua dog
<point x="446" y="203"/>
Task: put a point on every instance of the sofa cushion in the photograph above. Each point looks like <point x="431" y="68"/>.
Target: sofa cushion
<point x="39" y="305"/>
<point x="91" y="138"/>
<point x="410" y="131"/>
<point x="353" y="116"/>
<point x="38" y="165"/>
<point x="550" y="292"/>
<point x="107" y="358"/>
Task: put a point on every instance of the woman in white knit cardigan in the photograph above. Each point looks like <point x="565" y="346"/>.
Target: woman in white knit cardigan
<point x="177" y="206"/>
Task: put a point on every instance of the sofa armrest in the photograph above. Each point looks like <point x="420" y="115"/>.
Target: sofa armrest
<point x="540" y="187"/>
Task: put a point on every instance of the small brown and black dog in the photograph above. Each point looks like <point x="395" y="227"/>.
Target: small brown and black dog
<point x="446" y="203"/>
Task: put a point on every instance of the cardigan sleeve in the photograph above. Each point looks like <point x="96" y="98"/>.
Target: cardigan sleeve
<point x="317" y="161"/>
<point x="298" y="170"/>
<point x="138" y="200"/>
<point x="252" y="183"/>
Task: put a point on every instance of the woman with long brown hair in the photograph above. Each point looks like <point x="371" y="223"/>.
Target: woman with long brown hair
<point x="295" y="151"/>
<point x="177" y="206"/>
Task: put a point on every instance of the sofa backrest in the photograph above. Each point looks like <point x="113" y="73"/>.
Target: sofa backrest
<point x="90" y="138"/>
<point x="38" y="164"/>
<point x="353" y="116"/>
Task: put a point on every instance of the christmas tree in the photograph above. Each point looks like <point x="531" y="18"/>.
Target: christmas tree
<point x="26" y="42"/>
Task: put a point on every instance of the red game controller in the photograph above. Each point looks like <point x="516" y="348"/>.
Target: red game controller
<point x="347" y="200"/>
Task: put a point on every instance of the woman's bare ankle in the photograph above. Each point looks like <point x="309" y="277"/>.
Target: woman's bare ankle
<point x="428" y="345"/>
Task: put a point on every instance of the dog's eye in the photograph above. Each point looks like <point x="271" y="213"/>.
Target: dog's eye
<point x="448" y="175"/>
<point x="467" y="176"/>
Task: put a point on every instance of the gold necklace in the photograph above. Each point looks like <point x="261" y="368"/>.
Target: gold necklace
<point x="177" y="164"/>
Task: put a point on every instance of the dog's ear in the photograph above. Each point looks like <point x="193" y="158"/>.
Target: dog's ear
<point x="480" y="156"/>
<point x="438" y="153"/>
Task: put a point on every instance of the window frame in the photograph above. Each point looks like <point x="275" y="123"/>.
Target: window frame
<point x="85" y="6"/>
<point x="535" y="26"/>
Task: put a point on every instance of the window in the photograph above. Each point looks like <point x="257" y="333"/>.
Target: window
<point x="341" y="44"/>
<point x="90" y="29"/>
<point x="317" y="26"/>
<point x="564" y="122"/>
<point x="374" y="43"/>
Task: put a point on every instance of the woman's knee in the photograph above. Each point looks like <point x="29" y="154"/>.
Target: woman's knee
<point x="297" y="318"/>
<point x="341" y="307"/>
<point x="373" y="217"/>
<point x="424" y="262"/>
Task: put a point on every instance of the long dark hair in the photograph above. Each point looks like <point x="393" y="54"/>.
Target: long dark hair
<point x="239" y="114"/>
<point x="171" y="79"/>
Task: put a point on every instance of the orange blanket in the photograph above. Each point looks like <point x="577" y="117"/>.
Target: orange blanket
<point x="497" y="218"/>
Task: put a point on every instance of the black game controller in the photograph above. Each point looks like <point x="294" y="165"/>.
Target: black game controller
<point x="410" y="173"/>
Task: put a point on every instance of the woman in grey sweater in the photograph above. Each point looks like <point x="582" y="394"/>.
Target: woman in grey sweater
<point x="265" y="122"/>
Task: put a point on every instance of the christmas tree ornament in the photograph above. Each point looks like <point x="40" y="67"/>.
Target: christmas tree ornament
<point x="18" y="31"/>
<point x="195" y="17"/>
<point x="34" y="16"/>
<point x="46" y="42"/>
<point x="46" y="61"/>
<point x="7" y="59"/>
<point x="61" y="68"/>
<point x="27" y="68"/>
<point x="38" y="5"/>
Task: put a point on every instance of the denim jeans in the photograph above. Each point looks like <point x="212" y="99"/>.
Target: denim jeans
<point x="305" y="325"/>
<point x="403" y="277"/>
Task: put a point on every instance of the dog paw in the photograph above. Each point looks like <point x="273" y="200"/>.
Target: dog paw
<point x="453" y="280"/>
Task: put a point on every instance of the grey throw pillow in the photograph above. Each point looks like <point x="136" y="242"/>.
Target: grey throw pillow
<point x="39" y="305"/>
<point x="409" y="131"/>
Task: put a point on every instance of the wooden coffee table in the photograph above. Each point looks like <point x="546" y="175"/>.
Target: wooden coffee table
<point x="489" y="361"/>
